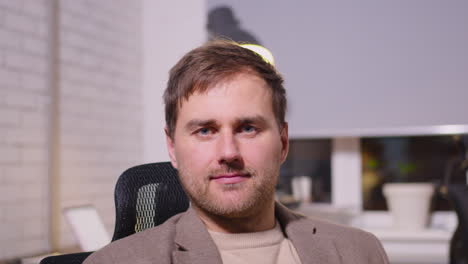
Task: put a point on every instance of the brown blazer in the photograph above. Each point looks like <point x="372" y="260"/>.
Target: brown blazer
<point x="183" y="239"/>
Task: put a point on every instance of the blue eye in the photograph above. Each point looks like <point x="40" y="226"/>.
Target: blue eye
<point x="204" y="131"/>
<point x="248" y="129"/>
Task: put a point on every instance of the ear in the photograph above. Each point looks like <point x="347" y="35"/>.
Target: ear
<point x="284" y="136"/>
<point x="171" y="148"/>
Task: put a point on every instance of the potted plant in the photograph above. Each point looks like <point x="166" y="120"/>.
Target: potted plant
<point x="408" y="202"/>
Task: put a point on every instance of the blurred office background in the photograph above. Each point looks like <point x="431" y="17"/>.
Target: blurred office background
<point x="377" y="93"/>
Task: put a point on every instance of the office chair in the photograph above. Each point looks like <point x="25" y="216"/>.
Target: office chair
<point x="145" y="196"/>
<point x="458" y="196"/>
<point x="74" y="258"/>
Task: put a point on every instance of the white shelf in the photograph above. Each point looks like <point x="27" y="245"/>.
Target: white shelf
<point x="428" y="235"/>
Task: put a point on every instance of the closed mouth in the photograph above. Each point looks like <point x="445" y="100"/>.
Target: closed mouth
<point x="230" y="175"/>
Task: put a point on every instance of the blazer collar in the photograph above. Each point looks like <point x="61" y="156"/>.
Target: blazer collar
<point x="310" y="244"/>
<point x="193" y="242"/>
<point x="195" y="245"/>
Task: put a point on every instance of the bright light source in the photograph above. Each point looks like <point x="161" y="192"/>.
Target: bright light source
<point x="262" y="51"/>
<point x="451" y="129"/>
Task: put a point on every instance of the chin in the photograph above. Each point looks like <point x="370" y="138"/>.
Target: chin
<point x="234" y="214"/>
<point x="231" y="209"/>
<point x="234" y="203"/>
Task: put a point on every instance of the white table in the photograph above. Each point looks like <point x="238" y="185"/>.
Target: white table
<point x="428" y="246"/>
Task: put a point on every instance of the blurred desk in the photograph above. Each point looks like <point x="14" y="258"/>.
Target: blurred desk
<point x="428" y="246"/>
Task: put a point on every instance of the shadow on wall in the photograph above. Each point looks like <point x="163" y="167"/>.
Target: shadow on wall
<point x="222" y="23"/>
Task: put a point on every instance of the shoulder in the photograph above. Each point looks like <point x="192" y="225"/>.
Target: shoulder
<point x="353" y="244"/>
<point x="153" y="245"/>
<point x="342" y="232"/>
<point x="321" y="227"/>
<point x="350" y="242"/>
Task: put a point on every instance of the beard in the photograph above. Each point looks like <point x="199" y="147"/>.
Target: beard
<point x="236" y="200"/>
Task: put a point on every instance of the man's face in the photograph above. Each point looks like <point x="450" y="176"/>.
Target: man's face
<point x="228" y="148"/>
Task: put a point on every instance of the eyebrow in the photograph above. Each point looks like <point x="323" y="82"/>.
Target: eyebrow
<point x="252" y="120"/>
<point x="195" y="123"/>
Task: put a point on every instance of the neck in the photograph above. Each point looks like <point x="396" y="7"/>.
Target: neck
<point x="260" y="220"/>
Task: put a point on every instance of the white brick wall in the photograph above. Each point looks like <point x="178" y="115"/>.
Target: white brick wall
<point x="99" y="114"/>
<point x="24" y="119"/>
<point x="100" y="101"/>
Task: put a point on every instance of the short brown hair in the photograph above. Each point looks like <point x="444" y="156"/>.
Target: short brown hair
<point x="216" y="61"/>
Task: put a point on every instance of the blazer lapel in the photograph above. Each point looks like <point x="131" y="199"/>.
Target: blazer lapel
<point x="193" y="242"/>
<point x="195" y="246"/>
<point x="310" y="245"/>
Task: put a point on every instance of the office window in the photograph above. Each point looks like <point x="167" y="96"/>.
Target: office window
<point x="310" y="158"/>
<point x="408" y="159"/>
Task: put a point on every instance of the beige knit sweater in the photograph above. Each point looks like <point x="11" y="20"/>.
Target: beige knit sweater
<point x="266" y="247"/>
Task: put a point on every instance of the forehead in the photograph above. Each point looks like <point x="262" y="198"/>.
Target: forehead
<point x="242" y="94"/>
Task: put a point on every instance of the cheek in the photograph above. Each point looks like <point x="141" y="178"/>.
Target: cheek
<point x="265" y="154"/>
<point x="194" y="155"/>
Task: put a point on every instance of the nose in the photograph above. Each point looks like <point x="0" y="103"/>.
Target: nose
<point x="228" y="149"/>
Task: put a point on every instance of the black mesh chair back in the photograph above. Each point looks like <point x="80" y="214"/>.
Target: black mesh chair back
<point x="145" y="196"/>
<point x="75" y="258"/>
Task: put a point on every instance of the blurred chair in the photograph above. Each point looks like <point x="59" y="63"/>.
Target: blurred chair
<point x="458" y="195"/>
<point x="145" y="196"/>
